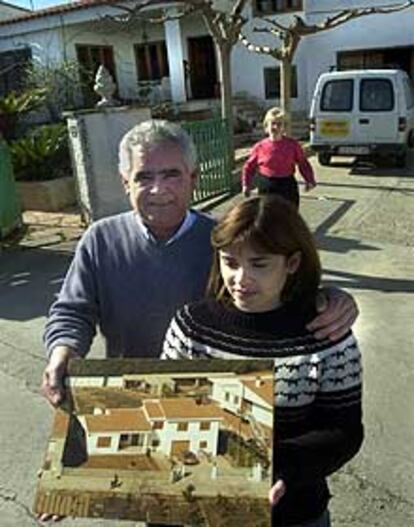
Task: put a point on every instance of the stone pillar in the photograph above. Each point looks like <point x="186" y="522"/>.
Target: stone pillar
<point x="94" y="140"/>
<point x="175" y="58"/>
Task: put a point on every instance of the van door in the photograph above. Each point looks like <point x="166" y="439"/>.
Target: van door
<point x="377" y="110"/>
<point x="333" y="104"/>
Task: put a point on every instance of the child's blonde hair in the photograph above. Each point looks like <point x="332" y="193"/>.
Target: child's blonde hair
<point x="272" y="114"/>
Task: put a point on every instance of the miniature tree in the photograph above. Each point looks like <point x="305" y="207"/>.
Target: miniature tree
<point x="289" y="37"/>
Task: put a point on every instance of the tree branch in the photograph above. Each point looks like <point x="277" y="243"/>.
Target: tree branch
<point x="265" y="50"/>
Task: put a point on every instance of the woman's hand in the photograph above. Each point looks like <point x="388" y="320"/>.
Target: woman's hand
<point x="246" y="192"/>
<point x="277" y="492"/>
<point x="309" y="186"/>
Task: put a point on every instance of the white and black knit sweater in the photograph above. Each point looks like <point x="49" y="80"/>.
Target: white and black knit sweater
<point x="318" y="391"/>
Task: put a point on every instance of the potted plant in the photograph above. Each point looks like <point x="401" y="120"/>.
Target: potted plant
<point x="42" y="168"/>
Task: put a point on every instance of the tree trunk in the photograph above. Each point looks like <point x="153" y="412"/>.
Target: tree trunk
<point x="285" y="93"/>
<point x="224" y="55"/>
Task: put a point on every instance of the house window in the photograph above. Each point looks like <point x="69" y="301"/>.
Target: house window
<point x="182" y="427"/>
<point x="89" y="59"/>
<point x="127" y="440"/>
<point x="157" y="425"/>
<point x="104" y="442"/>
<point x="152" y="61"/>
<point x="205" y="425"/>
<point x="267" y="7"/>
<point x="137" y="439"/>
<point x="12" y="69"/>
<point x="236" y="399"/>
<point x="202" y="444"/>
<point x="272" y="83"/>
<point x="227" y="397"/>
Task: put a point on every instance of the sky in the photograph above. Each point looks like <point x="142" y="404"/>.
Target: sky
<point x="36" y="4"/>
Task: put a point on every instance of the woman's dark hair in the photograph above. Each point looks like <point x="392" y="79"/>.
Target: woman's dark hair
<point x="272" y="225"/>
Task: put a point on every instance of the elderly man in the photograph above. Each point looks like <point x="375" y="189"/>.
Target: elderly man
<point x="132" y="271"/>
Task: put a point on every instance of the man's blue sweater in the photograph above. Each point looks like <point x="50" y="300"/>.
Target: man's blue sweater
<point x="129" y="285"/>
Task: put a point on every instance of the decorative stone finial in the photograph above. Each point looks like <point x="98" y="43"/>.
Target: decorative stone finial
<point x="105" y="87"/>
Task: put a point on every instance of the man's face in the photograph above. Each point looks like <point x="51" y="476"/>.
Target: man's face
<point x="160" y="187"/>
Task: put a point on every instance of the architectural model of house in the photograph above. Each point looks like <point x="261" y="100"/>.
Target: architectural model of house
<point x="166" y="442"/>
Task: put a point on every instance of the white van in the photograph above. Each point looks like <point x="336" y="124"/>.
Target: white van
<point x="363" y="113"/>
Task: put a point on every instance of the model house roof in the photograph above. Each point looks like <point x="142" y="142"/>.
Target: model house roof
<point x="263" y="387"/>
<point x="118" y="420"/>
<point x="182" y="408"/>
<point x="153" y="410"/>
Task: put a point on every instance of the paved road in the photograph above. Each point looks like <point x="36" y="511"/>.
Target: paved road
<point x="363" y="220"/>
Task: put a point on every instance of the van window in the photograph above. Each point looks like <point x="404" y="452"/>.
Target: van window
<point x="376" y="95"/>
<point x="409" y="92"/>
<point x="337" y="96"/>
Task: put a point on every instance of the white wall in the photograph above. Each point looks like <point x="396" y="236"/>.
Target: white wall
<point x="170" y="433"/>
<point x="92" y="441"/>
<point x="81" y="382"/>
<point x="47" y="46"/>
<point x="261" y="411"/>
<point x="248" y="67"/>
<point x="233" y="388"/>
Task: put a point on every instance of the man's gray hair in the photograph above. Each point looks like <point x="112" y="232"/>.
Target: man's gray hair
<point x="152" y="133"/>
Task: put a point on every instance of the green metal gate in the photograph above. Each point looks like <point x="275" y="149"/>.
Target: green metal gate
<point x="211" y="140"/>
<point x="10" y="212"/>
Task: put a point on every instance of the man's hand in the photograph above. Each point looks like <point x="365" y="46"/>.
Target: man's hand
<point x="52" y="383"/>
<point x="277" y="492"/>
<point x="338" y="312"/>
<point x="44" y="517"/>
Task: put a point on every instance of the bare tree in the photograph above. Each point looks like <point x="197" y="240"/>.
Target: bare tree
<point x="289" y="37"/>
<point x="224" y="22"/>
<point x="224" y="25"/>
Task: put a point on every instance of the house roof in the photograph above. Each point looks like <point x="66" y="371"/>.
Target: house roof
<point x="14" y="6"/>
<point x="153" y="410"/>
<point x="65" y="8"/>
<point x="182" y="408"/>
<point x="263" y="387"/>
<point x="118" y="420"/>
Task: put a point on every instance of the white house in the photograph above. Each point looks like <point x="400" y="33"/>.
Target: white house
<point x="181" y="52"/>
<point x="246" y="397"/>
<point x="169" y="426"/>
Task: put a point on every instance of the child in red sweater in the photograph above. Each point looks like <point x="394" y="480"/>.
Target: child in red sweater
<point x="273" y="160"/>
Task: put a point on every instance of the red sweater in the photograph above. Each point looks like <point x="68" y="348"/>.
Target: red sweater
<point x="275" y="159"/>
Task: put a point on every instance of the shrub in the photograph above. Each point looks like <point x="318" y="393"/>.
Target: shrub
<point x="64" y="84"/>
<point x="14" y="105"/>
<point x="42" y="154"/>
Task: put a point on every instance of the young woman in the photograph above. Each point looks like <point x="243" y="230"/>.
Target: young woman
<point x="264" y="281"/>
<point x="274" y="159"/>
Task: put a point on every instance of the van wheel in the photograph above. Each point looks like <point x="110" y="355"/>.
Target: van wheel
<point x="324" y="159"/>
<point x="400" y="160"/>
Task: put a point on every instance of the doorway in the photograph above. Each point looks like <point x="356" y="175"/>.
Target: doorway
<point x="202" y="67"/>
